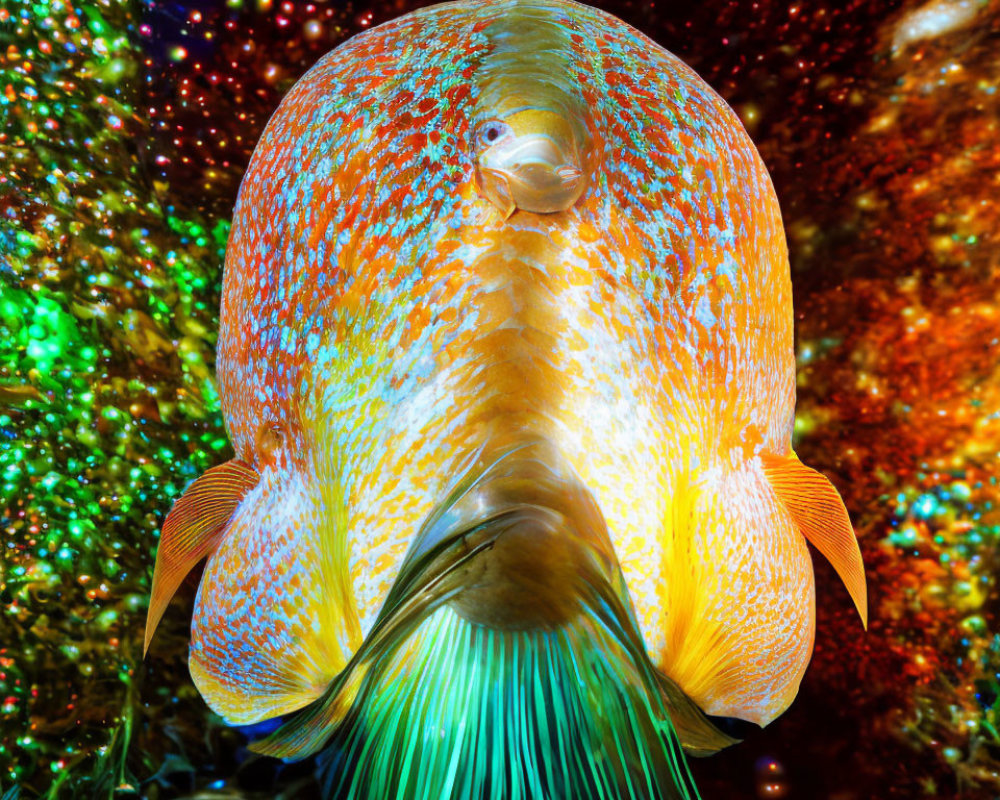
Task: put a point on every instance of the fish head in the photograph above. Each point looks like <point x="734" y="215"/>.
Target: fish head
<point x="530" y="160"/>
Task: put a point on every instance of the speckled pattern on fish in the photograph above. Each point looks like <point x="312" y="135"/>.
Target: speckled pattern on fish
<point x="382" y="320"/>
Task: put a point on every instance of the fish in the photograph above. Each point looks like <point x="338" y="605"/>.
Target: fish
<point x="506" y="358"/>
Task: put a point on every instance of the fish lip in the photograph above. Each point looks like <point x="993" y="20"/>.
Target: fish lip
<point x="494" y="185"/>
<point x="569" y="174"/>
<point x="495" y="173"/>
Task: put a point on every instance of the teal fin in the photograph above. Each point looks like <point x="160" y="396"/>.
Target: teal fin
<point x="466" y="711"/>
<point x="451" y="696"/>
<point x="455" y="709"/>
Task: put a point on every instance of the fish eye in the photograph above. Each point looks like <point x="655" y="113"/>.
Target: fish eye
<point x="490" y="132"/>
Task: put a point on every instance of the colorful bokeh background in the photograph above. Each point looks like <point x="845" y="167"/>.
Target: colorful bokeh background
<point x="125" y="127"/>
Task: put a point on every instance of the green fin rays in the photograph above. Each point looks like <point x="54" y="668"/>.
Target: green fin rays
<point x="466" y="711"/>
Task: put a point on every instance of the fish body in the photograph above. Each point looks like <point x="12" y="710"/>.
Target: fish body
<point x="505" y="341"/>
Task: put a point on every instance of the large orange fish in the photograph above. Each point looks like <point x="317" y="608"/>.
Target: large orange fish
<point x="506" y="358"/>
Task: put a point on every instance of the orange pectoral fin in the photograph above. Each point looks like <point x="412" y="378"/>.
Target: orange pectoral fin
<point x="193" y="529"/>
<point x="822" y="518"/>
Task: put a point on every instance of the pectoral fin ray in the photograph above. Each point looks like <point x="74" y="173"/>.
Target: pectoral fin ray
<point x="193" y="529"/>
<point x="820" y="515"/>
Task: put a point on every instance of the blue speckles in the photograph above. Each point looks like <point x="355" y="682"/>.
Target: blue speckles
<point x="649" y="289"/>
<point x="703" y="313"/>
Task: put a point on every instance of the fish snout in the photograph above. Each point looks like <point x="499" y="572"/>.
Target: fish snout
<point x="531" y="173"/>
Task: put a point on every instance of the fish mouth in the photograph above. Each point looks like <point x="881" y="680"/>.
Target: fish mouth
<point x="569" y="175"/>
<point x="531" y="173"/>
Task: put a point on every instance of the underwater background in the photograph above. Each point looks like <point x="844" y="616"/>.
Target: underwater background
<point x="125" y="128"/>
